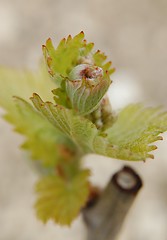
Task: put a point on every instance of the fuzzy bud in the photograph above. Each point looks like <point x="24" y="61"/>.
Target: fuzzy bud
<point x="86" y="86"/>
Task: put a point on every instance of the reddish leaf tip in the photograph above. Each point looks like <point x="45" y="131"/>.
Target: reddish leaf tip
<point x="34" y="94"/>
<point x="48" y="40"/>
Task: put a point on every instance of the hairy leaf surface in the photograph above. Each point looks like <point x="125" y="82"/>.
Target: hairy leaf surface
<point x="85" y="98"/>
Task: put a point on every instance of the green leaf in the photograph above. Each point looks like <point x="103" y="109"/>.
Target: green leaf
<point x="61" y="60"/>
<point x="129" y="138"/>
<point x="22" y="84"/>
<point x="60" y="97"/>
<point x="61" y="200"/>
<point x="42" y="139"/>
<point x="79" y="129"/>
<point x="132" y="135"/>
<point x="69" y="53"/>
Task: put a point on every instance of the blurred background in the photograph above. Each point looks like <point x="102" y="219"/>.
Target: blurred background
<point x="134" y="36"/>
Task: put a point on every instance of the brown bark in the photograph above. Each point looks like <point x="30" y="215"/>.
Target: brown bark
<point x="105" y="214"/>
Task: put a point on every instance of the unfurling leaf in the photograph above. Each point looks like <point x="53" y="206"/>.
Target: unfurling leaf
<point x="61" y="200"/>
<point x="70" y="53"/>
<point x="60" y="61"/>
<point x="86" y="87"/>
<point x="82" y="77"/>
